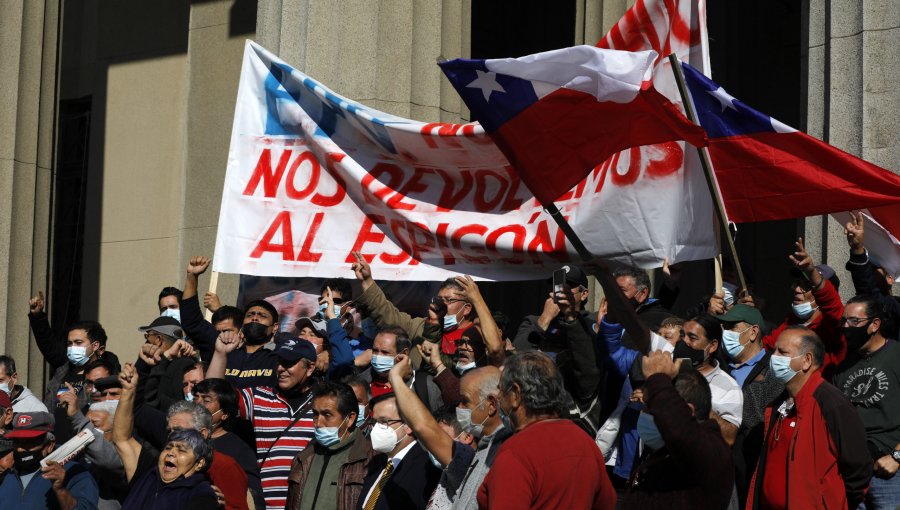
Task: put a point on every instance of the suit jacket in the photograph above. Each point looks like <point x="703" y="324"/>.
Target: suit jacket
<point x="410" y="486"/>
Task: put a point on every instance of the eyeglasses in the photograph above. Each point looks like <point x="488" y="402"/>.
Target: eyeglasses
<point x="448" y="301"/>
<point x="855" y="321"/>
<point x="387" y="422"/>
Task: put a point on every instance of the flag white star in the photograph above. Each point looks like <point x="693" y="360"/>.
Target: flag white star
<point x="487" y="82"/>
<point x="726" y="99"/>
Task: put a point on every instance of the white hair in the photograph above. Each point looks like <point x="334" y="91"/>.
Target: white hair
<point x="107" y="406"/>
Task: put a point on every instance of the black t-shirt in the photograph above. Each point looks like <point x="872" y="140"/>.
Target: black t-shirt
<point x="248" y="370"/>
<point x="872" y="383"/>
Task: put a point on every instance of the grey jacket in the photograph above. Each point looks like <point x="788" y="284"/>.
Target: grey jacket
<point x="26" y="402"/>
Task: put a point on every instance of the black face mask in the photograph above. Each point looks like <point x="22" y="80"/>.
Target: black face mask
<point x="255" y="333"/>
<point x="683" y="350"/>
<point x="856" y="336"/>
<point x="27" y="462"/>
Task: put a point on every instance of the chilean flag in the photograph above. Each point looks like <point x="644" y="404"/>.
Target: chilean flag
<point x="556" y="115"/>
<point x="769" y="171"/>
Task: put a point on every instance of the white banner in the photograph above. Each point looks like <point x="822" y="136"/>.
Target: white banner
<point x="313" y="176"/>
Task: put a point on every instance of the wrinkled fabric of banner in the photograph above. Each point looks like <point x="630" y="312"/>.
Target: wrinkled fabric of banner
<point x="313" y="176"/>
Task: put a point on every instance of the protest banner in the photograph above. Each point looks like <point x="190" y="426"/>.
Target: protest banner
<point x="313" y="176"/>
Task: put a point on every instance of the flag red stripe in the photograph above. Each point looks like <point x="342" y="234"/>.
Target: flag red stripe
<point x="556" y="156"/>
<point x="775" y="176"/>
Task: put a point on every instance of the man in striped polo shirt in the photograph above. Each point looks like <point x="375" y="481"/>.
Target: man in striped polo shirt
<point x="281" y="416"/>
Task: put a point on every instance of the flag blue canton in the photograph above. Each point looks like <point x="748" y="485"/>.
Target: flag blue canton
<point x="501" y="105"/>
<point x="719" y="113"/>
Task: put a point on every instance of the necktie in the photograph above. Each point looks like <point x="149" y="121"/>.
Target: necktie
<point x="379" y="486"/>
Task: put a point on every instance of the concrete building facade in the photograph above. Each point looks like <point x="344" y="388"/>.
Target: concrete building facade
<point x="115" y="120"/>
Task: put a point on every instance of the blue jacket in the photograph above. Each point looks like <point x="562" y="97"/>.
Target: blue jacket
<point x="341" y="352"/>
<point x="39" y="492"/>
<point x="621" y="358"/>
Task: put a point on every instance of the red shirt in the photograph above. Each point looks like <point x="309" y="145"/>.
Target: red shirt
<point x="380" y="388"/>
<point x="548" y="464"/>
<point x="448" y="342"/>
<point x="775" y="489"/>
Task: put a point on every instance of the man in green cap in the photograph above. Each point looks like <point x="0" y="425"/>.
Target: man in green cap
<point x="749" y="366"/>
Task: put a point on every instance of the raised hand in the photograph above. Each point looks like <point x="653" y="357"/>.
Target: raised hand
<point x="228" y="341"/>
<point x="198" y="265"/>
<point x="744" y="298"/>
<point x="36" y="304"/>
<point x="565" y="301"/>
<point x="855" y="231"/>
<point x="550" y="311"/>
<point x="328" y="299"/>
<point x="601" y="311"/>
<point x="55" y="473"/>
<point x="401" y="370"/>
<point x="431" y="355"/>
<point x="128" y="378"/>
<point x="804" y="262"/>
<point x="716" y="304"/>
<point x="361" y="269"/>
<point x="660" y="362"/>
<point x="180" y="349"/>
<point x="211" y="301"/>
<point x="470" y="289"/>
<point x="70" y="400"/>
<point x="801" y="258"/>
<point x="151" y="354"/>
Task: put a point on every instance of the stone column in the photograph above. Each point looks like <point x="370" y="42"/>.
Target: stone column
<point x="853" y="98"/>
<point x="28" y="48"/>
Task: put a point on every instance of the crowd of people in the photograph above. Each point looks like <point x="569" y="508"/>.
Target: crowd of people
<point x="628" y="407"/>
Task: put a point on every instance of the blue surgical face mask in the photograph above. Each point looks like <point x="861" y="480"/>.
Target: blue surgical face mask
<point x="174" y="313"/>
<point x="78" y="356"/>
<point x="450" y="322"/>
<point x="361" y="415"/>
<point x="5" y="388"/>
<point x="731" y="340"/>
<point x="328" y="436"/>
<point x="781" y="367"/>
<point x="382" y="364"/>
<point x="803" y="310"/>
<point x="649" y="432"/>
<point x="337" y="309"/>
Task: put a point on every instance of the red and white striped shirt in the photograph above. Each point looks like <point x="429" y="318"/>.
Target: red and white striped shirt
<point x="276" y="444"/>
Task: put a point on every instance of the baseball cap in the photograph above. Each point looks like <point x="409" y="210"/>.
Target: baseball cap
<point x="315" y="324"/>
<point x="742" y="313"/>
<point x="30" y="425"/>
<point x="574" y="276"/>
<point x="163" y="325"/>
<point x="294" y="349"/>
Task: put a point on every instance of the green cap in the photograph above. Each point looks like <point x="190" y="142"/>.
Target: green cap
<point x="742" y="313"/>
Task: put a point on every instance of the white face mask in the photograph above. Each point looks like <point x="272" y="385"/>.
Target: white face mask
<point x="174" y="313"/>
<point x="78" y="356"/>
<point x="5" y="387"/>
<point x="384" y="438"/>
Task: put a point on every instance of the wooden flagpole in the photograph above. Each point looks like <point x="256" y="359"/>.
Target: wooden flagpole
<point x="213" y="284"/>
<point x="719" y="210"/>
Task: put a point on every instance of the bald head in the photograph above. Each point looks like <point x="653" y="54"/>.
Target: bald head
<point x="481" y="382"/>
<point x="797" y="341"/>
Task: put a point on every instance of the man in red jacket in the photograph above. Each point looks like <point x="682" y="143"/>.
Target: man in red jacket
<point x="815" y="453"/>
